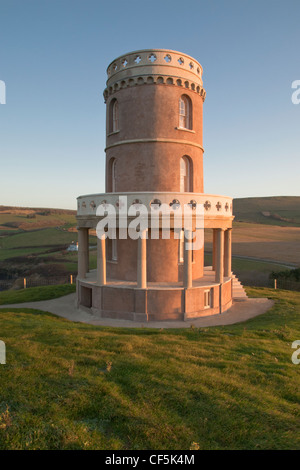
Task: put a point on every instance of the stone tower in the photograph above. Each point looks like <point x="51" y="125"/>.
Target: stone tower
<point x="154" y="157"/>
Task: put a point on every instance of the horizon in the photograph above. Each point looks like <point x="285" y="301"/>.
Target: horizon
<point x="54" y="60"/>
<point x="75" y="210"/>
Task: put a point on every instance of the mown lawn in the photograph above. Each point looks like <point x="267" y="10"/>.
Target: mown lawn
<point x="74" y="386"/>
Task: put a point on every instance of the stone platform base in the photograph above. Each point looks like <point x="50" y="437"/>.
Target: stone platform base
<point x="159" y="302"/>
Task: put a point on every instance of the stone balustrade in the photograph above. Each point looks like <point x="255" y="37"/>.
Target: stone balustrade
<point x="213" y="205"/>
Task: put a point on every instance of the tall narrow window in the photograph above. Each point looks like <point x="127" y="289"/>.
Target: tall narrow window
<point x="185" y="112"/>
<point x="111" y="248"/>
<point x="115" y="116"/>
<point x="114" y="253"/>
<point x="207" y="299"/>
<point x="113" y="176"/>
<point x="186" y="176"/>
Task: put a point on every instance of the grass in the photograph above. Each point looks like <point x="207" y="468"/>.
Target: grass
<point x="43" y="237"/>
<point x="75" y="386"/>
<point x="245" y="265"/>
<point x="33" y="294"/>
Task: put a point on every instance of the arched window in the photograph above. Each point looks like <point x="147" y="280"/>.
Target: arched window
<point x="113" y="116"/>
<point x="186" y="175"/>
<point x="185" y="112"/>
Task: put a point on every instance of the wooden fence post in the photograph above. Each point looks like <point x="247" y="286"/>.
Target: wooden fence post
<point x="71" y="279"/>
<point x="275" y="283"/>
<point x="24" y="282"/>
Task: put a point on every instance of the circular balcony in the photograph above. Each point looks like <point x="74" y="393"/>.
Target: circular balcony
<point x="215" y="209"/>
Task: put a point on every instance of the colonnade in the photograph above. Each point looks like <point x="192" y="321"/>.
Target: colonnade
<point x="221" y="257"/>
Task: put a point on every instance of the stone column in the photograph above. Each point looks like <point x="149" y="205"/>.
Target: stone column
<point x="214" y="250"/>
<point x="83" y="252"/>
<point x="220" y="256"/>
<point x="142" y="261"/>
<point x="187" y="269"/>
<point x="227" y="252"/>
<point x="101" y="260"/>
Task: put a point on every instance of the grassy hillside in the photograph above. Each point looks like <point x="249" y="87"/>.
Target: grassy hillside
<point x="277" y="210"/>
<point x="34" y="294"/>
<point x="86" y="387"/>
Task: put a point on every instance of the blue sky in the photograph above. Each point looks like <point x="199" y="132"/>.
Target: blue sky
<point x="53" y="59"/>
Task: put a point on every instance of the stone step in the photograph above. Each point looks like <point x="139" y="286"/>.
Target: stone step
<point x="237" y="286"/>
<point x="240" y="295"/>
<point x="238" y="291"/>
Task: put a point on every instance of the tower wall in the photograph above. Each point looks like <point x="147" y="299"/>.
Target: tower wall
<point x="146" y="140"/>
<point x="162" y="261"/>
<point x="149" y="144"/>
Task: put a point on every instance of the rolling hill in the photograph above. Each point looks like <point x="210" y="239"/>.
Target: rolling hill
<point x="276" y="210"/>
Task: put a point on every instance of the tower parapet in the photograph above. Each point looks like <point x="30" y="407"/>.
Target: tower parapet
<point x="160" y="66"/>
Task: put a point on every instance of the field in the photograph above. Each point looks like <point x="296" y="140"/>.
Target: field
<point x="267" y="242"/>
<point x="75" y="386"/>
<point x="281" y="210"/>
<point x="33" y="242"/>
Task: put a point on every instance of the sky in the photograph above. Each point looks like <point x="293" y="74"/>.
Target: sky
<point x="53" y="60"/>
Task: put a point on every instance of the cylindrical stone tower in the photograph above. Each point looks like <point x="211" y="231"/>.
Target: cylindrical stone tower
<point x="154" y="108"/>
<point x="154" y="155"/>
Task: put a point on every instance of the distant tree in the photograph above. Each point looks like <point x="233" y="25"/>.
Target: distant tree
<point x="290" y="274"/>
<point x="45" y="212"/>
